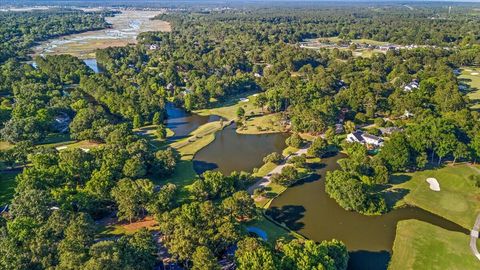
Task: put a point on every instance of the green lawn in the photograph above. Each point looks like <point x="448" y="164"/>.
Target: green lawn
<point x="274" y="231"/>
<point x="470" y="76"/>
<point x="422" y="246"/>
<point x="458" y="200"/>
<point x="7" y="186"/>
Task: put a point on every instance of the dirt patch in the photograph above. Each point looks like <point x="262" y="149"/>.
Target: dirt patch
<point x="147" y="222"/>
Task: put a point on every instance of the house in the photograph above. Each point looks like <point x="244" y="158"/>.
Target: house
<point x="62" y="121"/>
<point x="153" y="47"/>
<point x="170" y="87"/>
<point x="338" y="128"/>
<point x="412" y="85"/>
<point x="364" y="138"/>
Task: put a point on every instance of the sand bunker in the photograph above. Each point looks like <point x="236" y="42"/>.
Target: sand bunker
<point x="244" y="99"/>
<point x="474" y="73"/>
<point x="468" y="70"/>
<point x="434" y="185"/>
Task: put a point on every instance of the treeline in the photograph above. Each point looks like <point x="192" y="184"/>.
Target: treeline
<point x="398" y="25"/>
<point x="21" y="30"/>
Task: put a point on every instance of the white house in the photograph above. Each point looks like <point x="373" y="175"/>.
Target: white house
<point x="364" y="138"/>
<point x="412" y="85"/>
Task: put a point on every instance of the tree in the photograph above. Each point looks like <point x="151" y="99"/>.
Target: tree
<point x="396" y="153"/>
<point x="79" y="236"/>
<point x="137" y="121"/>
<point x="294" y="141"/>
<point x="349" y="126"/>
<point x="132" y="197"/>
<point x="240" y="112"/>
<point x="318" y="147"/>
<point x="461" y="151"/>
<point x="240" y="205"/>
<point x="197" y="224"/>
<point x="161" y="131"/>
<point x="260" y="101"/>
<point x="274" y="157"/>
<point x="253" y="254"/>
<point x="163" y="200"/>
<point x="164" y="162"/>
<point x="203" y="259"/>
<point x="475" y="146"/>
<point x="157" y="118"/>
<point x="288" y="177"/>
<point x="134" y="167"/>
<point x="32" y="203"/>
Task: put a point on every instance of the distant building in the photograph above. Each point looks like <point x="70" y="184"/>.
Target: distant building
<point x="412" y="85"/>
<point x="153" y="47"/>
<point x="338" y="128"/>
<point x="364" y="138"/>
<point x="62" y="121"/>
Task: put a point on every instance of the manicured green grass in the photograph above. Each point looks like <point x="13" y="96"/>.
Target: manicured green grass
<point x="274" y="231"/>
<point x="268" y="123"/>
<point x="7" y="186"/>
<point x="228" y="109"/>
<point x="422" y="246"/>
<point x="458" y="199"/>
<point x="470" y="76"/>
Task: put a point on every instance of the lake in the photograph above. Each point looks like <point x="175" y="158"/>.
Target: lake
<point x="307" y="209"/>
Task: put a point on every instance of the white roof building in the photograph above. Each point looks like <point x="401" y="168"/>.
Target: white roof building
<point x="364" y="138"/>
<point x="412" y="85"/>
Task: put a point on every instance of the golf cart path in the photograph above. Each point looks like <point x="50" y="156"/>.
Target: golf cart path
<point x="265" y="181"/>
<point x="474" y="237"/>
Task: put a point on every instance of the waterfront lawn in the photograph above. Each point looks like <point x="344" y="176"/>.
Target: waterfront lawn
<point x="274" y="231"/>
<point x="268" y="123"/>
<point x="470" y="77"/>
<point x="420" y="245"/>
<point x="7" y="187"/>
<point x="228" y="109"/>
<point x="458" y="200"/>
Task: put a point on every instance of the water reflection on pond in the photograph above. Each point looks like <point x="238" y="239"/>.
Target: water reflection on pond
<point x="231" y="151"/>
<point x="307" y="209"/>
<point x="183" y="123"/>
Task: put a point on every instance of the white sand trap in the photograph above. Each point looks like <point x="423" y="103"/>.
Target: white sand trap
<point x="434" y="185"/>
<point x="244" y="100"/>
<point x="61" y="148"/>
<point x="474" y="73"/>
<point x="468" y="70"/>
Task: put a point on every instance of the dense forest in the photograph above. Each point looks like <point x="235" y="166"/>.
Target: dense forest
<point x="62" y="195"/>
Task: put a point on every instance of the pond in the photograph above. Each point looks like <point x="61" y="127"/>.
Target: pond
<point x="183" y="123"/>
<point x="307" y="209"/>
<point x="231" y="151"/>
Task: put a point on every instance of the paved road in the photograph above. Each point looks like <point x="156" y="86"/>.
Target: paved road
<point x="265" y="181"/>
<point x="474" y="237"/>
